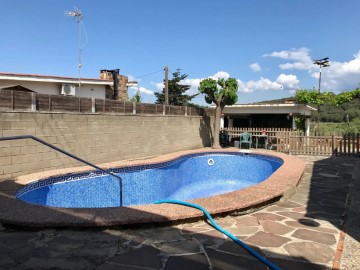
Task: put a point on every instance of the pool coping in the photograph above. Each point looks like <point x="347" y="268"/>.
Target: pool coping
<point x="16" y="212"/>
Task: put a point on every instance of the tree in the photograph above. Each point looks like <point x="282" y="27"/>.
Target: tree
<point x="136" y="98"/>
<point x="221" y="92"/>
<point x="325" y="98"/>
<point x="177" y="91"/>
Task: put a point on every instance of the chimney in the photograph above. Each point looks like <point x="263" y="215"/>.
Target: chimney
<point x="119" y="90"/>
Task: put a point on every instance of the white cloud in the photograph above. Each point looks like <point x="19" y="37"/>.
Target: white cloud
<point x="142" y="90"/>
<point x="159" y="86"/>
<point x="194" y="85"/>
<point x="255" y="67"/>
<point x="289" y="82"/>
<point x="220" y="75"/>
<point x="340" y="76"/>
<point x="300" y="54"/>
<point x="242" y="87"/>
<point x="146" y="91"/>
<point x="133" y="78"/>
<point x="283" y="82"/>
<point x="337" y="77"/>
<point x="300" y="57"/>
<point x="263" y="84"/>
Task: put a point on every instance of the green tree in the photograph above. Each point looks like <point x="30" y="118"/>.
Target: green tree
<point x="325" y="98"/>
<point x="136" y="98"/>
<point x="221" y="92"/>
<point x="177" y="91"/>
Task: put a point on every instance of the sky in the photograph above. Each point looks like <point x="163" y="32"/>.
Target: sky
<point x="267" y="45"/>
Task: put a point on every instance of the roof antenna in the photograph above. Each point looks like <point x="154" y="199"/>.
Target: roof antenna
<point x="78" y="17"/>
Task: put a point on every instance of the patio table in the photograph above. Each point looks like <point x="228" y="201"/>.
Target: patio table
<point x="260" y="136"/>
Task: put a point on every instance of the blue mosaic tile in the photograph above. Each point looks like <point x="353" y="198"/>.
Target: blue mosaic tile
<point x="187" y="177"/>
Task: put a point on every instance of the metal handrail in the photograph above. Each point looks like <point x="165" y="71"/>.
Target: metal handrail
<point x="68" y="154"/>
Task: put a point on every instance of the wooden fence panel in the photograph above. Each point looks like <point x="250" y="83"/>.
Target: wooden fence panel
<point x="193" y="111"/>
<point x="43" y="102"/>
<point x="6" y="99"/>
<point x="308" y="145"/>
<point x="152" y="109"/>
<point x="174" y="110"/>
<point x="22" y="100"/>
<point x="64" y="103"/>
<point x="350" y="144"/>
<point x="128" y="107"/>
<point x="85" y="105"/>
<point x="114" y="106"/>
<point x="271" y="132"/>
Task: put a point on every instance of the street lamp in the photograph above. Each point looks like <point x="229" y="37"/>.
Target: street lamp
<point x="321" y="63"/>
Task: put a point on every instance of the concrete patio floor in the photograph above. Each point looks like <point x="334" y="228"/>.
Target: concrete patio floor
<point x="305" y="230"/>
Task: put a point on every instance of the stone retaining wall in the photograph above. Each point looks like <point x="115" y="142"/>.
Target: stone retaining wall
<point x="97" y="138"/>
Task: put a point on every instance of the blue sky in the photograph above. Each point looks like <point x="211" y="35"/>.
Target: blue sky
<point x="268" y="46"/>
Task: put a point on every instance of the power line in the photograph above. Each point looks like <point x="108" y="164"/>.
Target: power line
<point x="148" y="74"/>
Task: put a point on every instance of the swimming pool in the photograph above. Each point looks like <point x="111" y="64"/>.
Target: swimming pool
<point x="184" y="178"/>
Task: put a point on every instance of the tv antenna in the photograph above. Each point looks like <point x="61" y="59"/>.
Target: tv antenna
<point x="78" y="17"/>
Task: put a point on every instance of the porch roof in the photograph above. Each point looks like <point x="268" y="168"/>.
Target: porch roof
<point x="283" y="108"/>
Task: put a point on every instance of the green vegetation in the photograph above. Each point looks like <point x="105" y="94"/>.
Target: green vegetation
<point x="343" y="107"/>
<point x="339" y="113"/>
<point x="177" y="92"/>
<point x="221" y="92"/>
<point x="136" y="98"/>
<point x="337" y="117"/>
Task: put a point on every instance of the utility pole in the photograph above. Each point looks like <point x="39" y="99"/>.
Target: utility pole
<point x="166" y="85"/>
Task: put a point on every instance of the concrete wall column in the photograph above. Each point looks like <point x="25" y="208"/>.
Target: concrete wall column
<point x="307" y="125"/>
<point x="222" y="122"/>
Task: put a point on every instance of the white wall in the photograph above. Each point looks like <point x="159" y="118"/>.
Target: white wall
<point x="52" y="88"/>
<point x="39" y="87"/>
<point x="91" y="91"/>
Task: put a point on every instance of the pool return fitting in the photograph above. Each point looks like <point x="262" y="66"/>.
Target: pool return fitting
<point x="228" y="234"/>
<point x="210" y="162"/>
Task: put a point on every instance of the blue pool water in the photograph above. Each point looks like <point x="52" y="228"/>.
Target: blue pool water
<point x="188" y="177"/>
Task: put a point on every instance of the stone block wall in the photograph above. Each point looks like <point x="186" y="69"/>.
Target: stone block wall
<point x="97" y="138"/>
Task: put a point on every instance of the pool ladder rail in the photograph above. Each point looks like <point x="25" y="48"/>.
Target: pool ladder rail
<point x="9" y="138"/>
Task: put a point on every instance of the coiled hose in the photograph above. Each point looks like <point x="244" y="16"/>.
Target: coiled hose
<point x="231" y="236"/>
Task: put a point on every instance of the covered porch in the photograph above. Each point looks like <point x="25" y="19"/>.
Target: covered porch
<point x="266" y="122"/>
<point x="266" y="116"/>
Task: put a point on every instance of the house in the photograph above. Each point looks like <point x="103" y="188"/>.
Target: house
<point x="102" y="88"/>
<point x="266" y="116"/>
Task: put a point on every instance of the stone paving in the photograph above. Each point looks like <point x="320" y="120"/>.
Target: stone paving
<point x="301" y="231"/>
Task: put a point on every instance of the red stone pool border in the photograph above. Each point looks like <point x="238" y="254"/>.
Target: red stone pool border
<point x="19" y="213"/>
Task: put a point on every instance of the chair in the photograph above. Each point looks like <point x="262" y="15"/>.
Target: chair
<point x="245" y="138"/>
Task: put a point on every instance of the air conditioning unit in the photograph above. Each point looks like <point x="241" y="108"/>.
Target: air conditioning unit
<point x="68" y="90"/>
